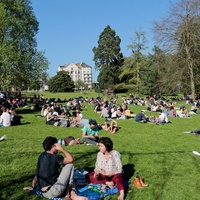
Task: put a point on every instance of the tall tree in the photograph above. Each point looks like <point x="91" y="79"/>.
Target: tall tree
<point x="179" y="33"/>
<point x="108" y="58"/>
<point x="133" y="65"/>
<point x="18" y="47"/>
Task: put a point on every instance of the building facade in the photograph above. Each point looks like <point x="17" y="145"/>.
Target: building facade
<point x="79" y="71"/>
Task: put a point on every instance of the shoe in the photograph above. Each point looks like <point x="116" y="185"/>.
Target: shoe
<point x="137" y="183"/>
<point x="196" y="153"/>
<point x="142" y="183"/>
<point x="187" y="132"/>
<point x="3" y="138"/>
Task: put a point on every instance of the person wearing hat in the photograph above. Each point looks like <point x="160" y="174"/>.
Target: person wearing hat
<point x="90" y="134"/>
<point x="140" y="117"/>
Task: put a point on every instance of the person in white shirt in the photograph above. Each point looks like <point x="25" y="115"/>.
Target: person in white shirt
<point x="162" y="118"/>
<point x="5" y="118"/>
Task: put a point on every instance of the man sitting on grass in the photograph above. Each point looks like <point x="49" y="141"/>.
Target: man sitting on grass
<point x="90" y="134"/>
<point x="140" y="117"/>
<point x="47" y="178"/>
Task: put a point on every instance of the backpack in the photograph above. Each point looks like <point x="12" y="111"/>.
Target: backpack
<point x="68" y="140"/>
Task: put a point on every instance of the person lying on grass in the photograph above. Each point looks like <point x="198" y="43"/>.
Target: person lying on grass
<point x="47" y="178"/>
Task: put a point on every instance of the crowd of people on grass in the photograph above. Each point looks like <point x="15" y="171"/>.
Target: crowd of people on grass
<point x="57" y="180"/>
<point x="70" y="115"/>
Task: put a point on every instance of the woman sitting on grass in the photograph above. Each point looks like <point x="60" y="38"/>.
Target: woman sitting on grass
<point x="50" y="118"/>
<point x="112" y="127"/>
<point x="108" y="167"/>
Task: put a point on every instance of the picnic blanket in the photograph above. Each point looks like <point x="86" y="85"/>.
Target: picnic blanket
<point x="91" y="191"/>
<point x="84" y="188"/>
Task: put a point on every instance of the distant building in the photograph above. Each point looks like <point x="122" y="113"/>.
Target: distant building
<point x="79" y="71"/>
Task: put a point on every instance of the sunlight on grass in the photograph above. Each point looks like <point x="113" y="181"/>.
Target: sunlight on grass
<point x="161" y="154"/>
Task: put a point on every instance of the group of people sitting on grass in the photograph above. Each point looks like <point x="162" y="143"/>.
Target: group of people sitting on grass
<point x="9" y="117"/>
<point x="52" y="184"/>
<point x="161" y="119"/>
<point x="109" y="109"/>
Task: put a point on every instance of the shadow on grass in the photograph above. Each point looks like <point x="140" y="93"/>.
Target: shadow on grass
<point x="27" y="111"/>
<point x="22" y="123"/>
<point x="11" y="183"/>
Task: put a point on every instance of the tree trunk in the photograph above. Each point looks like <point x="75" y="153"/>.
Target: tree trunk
<point x="192" y="84"/>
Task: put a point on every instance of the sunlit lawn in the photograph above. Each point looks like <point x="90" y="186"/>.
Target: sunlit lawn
<point x="161" y="154"/>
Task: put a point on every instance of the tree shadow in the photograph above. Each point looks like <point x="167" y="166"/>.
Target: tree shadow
<point x="22" y="123"/>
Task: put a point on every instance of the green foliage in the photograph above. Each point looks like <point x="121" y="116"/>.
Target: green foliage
<point x="135" y="64"/>
<point x="18" y="54"/>
<point x="61" y="82"/>
<point x="108" y="58"/>
<point x="80" y="85"/>
<point x="178" y="33"/>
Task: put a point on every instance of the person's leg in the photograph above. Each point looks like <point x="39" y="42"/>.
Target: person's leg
<point x="74" y="196"/>
<point x="89" y="141"/>
<point x="117" y="179"/>
<point x="95" y="180"/>
<point x="63" y="183"/>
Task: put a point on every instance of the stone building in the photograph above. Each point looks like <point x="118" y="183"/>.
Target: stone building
<point x="79" y="71"/>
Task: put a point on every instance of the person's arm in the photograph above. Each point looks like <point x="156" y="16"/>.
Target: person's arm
<point x="1" y="119"/>
<point x="34" y="181"/>
<point x="68" y="156"/>
<point x="49" y="117"/>
<point x="84" y="135"/>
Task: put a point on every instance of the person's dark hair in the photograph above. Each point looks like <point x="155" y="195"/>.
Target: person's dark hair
<point x="92" y="121"/>
<point x="107" y="142"/>
<point x="48" y="142"/>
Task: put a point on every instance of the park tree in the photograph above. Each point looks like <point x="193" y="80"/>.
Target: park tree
<point x="61" y="82"/>
<point x="20" y="62"/>
<point x="108" y="59"/>
<point x="80" y="85"/>
<point x="178" y="34"/>
<point x="130" y="77"/>
<point x="157" y="71"/>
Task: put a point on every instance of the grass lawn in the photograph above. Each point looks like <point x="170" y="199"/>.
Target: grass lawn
<point x="161" y="154"/>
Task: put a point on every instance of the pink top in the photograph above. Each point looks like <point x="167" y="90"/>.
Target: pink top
<point x="113" y="164"/>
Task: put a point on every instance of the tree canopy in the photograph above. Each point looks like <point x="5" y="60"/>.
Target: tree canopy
<point x="61" y="82"/>
<point x="20" y="62"/>
<point x="108" y="58"/>
<point x="179" y="35"/>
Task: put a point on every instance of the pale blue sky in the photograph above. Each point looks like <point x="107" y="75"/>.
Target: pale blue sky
<point x="69" y="29"/>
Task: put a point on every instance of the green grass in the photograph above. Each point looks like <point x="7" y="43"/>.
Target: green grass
<point x="162" y="154"/>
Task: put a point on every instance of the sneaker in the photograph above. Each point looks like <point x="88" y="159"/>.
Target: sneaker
<point x="187" y="132"/>
<point x="196" y="153"/>
<point x="3" y="138"/>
